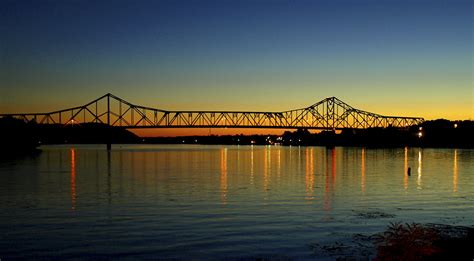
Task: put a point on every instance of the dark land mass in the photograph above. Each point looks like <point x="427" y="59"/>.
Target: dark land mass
<point x="16" y="135"/>
<point x="437" y="134"/>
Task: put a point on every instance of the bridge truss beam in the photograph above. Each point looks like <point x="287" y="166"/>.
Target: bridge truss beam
<point x="328" y="114"/>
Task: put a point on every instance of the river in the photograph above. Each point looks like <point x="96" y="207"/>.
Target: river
<point x="221" y="202"/>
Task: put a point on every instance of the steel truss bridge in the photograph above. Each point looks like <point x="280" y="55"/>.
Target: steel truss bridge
<point x="328" y="114"/>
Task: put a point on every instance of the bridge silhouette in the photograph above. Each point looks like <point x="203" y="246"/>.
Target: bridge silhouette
<point x="328" y="114"/>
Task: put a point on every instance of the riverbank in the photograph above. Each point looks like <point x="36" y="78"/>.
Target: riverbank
<point x="409" y="241"/>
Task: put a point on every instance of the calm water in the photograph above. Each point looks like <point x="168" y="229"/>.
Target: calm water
<point x="216" y="202"/>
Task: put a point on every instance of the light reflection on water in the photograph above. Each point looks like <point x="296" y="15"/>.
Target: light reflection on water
<point x="455" y="171"/>
<point x="420" y="161"/>
<point x="221" y="201"/>
<point x="362" y="183"/>
<point x="405" y="169"/>
<point x="73" y="179"/>
<point x="224" y="176"/>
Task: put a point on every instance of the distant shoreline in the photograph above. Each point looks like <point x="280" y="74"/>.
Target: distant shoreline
<point x="19" y="135"/>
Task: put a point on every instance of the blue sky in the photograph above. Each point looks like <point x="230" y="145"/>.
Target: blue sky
<point x="398" y="57"/>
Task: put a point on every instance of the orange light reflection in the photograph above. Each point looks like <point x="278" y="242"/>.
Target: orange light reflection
<point x="455" y="171"/>
<point x="279" y="164"/>
<point x="420" y="161"/>
<point x="333" y="167"/>
<point x="309" y="177"/>
<point x="224" y="176"/>
<point x="73" y="179"/>
<point x="266" y="166"/>
<point x="362" y="183"/>
<point x="330" y="180"/>
<point x="251" y="165"/>
<point x="405" y="170"/>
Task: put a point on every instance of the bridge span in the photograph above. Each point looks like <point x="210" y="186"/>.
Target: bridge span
<point x="328" y="114"/>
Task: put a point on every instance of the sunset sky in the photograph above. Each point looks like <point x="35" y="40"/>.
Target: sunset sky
<point x="400" y="57"/>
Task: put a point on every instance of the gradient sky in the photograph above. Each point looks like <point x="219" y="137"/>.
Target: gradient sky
<point x="393" y="57"/>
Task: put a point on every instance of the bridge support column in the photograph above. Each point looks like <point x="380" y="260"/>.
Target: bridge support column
<point x="109" y="143"/>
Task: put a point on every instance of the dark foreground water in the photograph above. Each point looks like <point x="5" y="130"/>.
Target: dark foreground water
<point x="220" y="202"/>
